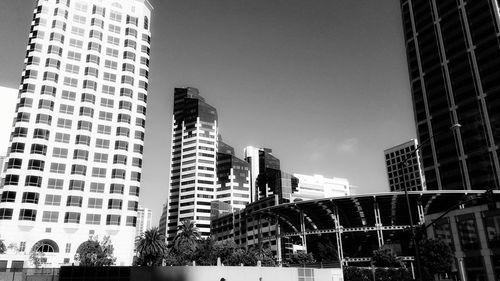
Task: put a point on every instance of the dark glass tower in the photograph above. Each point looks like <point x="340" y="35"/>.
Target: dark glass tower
<point x="453" y="53"/>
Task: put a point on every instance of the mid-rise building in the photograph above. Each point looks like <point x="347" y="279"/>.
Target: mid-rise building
<point x="317" y="186"/>
<point x="453" y="52"/>
<point x="411" y="169"/>
<point x="75" y="157"/>
<point x="193" y="175"/>
<point x="144" y="216"/>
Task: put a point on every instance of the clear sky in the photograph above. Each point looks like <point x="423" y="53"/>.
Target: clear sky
<point x="324" y="83"/>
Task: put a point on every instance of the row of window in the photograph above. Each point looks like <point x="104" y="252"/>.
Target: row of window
<point x="76" y="169"/>
<point x="69" y="217"/>
<point x="82" y="124"/>
<point x="60" y="168"/>
<point x="69" y="95"/>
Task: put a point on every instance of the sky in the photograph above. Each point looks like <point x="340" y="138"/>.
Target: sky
<point x="323" y="83"/>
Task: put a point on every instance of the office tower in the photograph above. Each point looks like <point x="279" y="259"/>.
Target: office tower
<point x="193" y="177"/>
<point x="74" y="164"/>
<point x="411" y="169"/>
<point x="453" y="53"/>
<point x="233" y="178"/>
<point x="144" y="216"/>
<point x="266" y="177"/>
<point x="317" y="186"/>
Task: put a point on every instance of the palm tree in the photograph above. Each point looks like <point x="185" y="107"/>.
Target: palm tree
<point x="151" y="247"/>
<point x="187" y="235"/>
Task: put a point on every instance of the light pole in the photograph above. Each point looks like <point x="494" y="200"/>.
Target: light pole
<point x="402" y="164"/>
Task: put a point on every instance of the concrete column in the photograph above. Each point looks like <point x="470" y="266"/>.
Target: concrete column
<point x="485" y="250"/>
<point x="303" y="230"/>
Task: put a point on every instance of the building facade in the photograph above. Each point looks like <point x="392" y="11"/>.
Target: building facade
<point x="193" y="175"/>
<point x="453" y="53"/>
<point x="317" y="186"/>
<point x="144" y="216"/>
<point x="411" y="169"/>
<point x="74" y="163"/>
<point x="233" y="178"/>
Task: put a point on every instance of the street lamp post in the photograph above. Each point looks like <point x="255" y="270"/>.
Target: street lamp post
<point x="402" y="164"/>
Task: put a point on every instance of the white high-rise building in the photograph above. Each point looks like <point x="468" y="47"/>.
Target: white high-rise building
<point x="317" y="186"/>
<point x="74" y="162"/>
<point x="144" y="216"/>
<point x="193" y="175"/>
<point x="411" y="169"/>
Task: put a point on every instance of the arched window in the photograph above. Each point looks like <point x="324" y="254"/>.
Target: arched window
<point x="46" y="246"/>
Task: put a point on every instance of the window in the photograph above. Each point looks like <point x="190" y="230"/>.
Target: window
<point x="97" y="187"/>
<point x="72" y="217"/>
<point x="138" y="148"/>
<point x="23" y="117"/>
<point x="89" y="84"/>
<point x="99" y="172"/>
<point x="66" y="109"/>
<point x="124" y="118"/>
<point x="120" y="159"/>
<point x="115" y="16"/>
<point x="64" y="123"/>
<point x="121" y="145"/>
<point x="20" y="132"/>
<point x="88" y="98"/>
<point x="74" y="201"/>
<point x="11" y="179"/>
<point x="137" y="162"/>
<point x="79" y="170"/>
<point x="74" y="56"/>
<point x="144" y="73"/>
<point x="131" y="221"/>
<point x="145" y="61"/>
<point x="59" y="24"/>
<point x="54" y="36"/>
<point x="111" y="64"/>
<point x="141" y="109"/>
<point x="140" y="122"/>
<point x="467" y="230"/>
<point x="115" y="204"/>
<point x="27" y="215"/>
<point x="27" y="102"/>
<point x="78" y="31"/>
<point x="107" y="102"/>
<point x="76" y="43"/>
<point x="63" y="138"/>
<point x="37" y="165"/>
<point x="52" y="63"/>
<point x="50" y="76"/>
<point x="103" y="129"/>
<point x="126" y="92"/>
<point x="108" y="116"/>
<point x="33" y="60"/>
<point x="94" y="47"/>
<point x="112" y="220"/>
<point x="49" y="216"/>
<point x="8" y="196"/>
<point x="30" y="197"/>
<point x="85" y="125"/>
<point x="77" y="185"/>
<point x="116" y="188"/>
<point x="96" y="10"/>
<point x="131" y="32"/>
<point x="68" y="248"/>
<point x="130" y="43"/>
<point x="46" y="104"/>
<point x="30" y="74"/>
<point x="122" y="131"/>
<point x="132" y="20"/>
<point x="129" y="55"/>
<point x="114" y="28"/>
<point x="146" y="38"/>
<point x="82" y="7"/>
<point x="128" y="67"/>
<point x="139" y="135"/>
<point x="97" y="22"/>
<point x="55" y="184"/>
<point x="110" y="90"/>
<point x="109" y="77"/>
<point x="125" y="105"/>
<point x="61" y="12"/>
<point x="79" y="19"/>
<point x="60" y="152"/>
<point x="55" y="50"/>
<point x="80" y="154"/>
<point x="6" y="214"/>
<point x="134" y="191"/>
<point x="86" y="111"/>
<point x="72" y="82"/>
<point x="52" y="200"/>
<point x="100" y="157"/>
<point x="67" y="95"/>
<point x="17" y="147"/>
<point x="113" y="40"/>
<point x="94" y="219"/>
<point x="95" y="203"/>
<point x="41" y="134"/>
<point x="102" y="143"/>
<point x="14" y="163"/>
<point x="82" y="139"/>
<point x="58" y="168"/>
<point x="135" y="176"/>
<point x="145" y="49"/>
<point x="118" y="174"/>
<point x="93" y="59"/>
<point x="95" y="34"/>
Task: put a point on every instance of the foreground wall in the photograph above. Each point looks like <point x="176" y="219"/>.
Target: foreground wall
<point x="201" y="273"/>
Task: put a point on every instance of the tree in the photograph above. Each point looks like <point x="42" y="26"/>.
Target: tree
<point x="151" y="247"/>
<point x="3" y="249"/>
<point x="385" y="257"/>
<point x="242" y="256"/>
<point x="436" y="257"/>
<point x="36" y="256"/>
<point x="187" y="236"/>
<point x="300" y="258"/>
<point x="93" y="253"/>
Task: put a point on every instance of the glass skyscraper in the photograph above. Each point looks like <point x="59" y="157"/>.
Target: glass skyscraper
<point x="75" y="158"/>
<point x="453" y="52"/>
